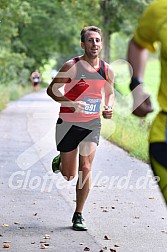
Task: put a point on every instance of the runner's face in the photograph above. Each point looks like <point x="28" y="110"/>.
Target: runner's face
<point x="92" y="44"/>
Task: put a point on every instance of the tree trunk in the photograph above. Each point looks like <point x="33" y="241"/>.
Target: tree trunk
<point x="106" y="30"/>
<point x="106" y="46"/>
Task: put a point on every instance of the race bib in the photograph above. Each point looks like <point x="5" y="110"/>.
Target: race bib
<point x="36" y="79"/>
<point x="92" y="105"/>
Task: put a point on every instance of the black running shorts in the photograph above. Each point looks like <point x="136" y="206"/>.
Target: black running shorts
<point x="70" y="134"/>
<point x="158" y="159"/>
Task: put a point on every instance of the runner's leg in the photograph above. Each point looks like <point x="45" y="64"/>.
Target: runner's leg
<point x="68" y="164"/>
<point x="158" y="161"/>
<point x="84" y="175"/>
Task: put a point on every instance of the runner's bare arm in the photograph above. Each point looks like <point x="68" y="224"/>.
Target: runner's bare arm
<point x="65" y="75"/>
<point x="109" y="93"/>
<point x="141" y="100"/>
<point x="62" y="77"/>
<point x="109" y="88"/>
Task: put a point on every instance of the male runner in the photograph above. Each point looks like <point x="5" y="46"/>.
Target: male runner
<point x="78" y="126"/>
<point x="35" y="79"/>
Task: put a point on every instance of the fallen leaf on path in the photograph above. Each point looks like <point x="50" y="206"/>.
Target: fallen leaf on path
<point x="152" y="197"/>
<point x="86" y="249"/>
<point x="46" y="236"/>
<point x="5" y="225"/>
<point x="43" y="246"/>
<point x="107" y="238"/>
<point x="163" y="231"/>
<point x="6" y="245"/>
<point x="102" y="250"/>
<point x="16" y="222"/>
<point x="117" y="246"/>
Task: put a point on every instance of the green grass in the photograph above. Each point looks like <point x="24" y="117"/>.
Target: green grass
<point x="4" y="98"/>
<point x="13" y="92"/>
<point x="129" y="133"/>
<point x="124" y="129"/>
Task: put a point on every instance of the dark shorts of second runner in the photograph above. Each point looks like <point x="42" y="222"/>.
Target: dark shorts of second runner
<point x="35" y="84"/>
<point x="70" y="134"/>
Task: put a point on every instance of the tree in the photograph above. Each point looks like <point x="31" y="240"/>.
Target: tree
<point x="117" y="15"/>
<point x="52" y="30"/>
<point x="34" y="31"/>
<point x="12" y="13"/>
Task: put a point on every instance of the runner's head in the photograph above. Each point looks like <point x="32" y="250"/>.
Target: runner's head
<point x="91" y="41"/>
<point x="89" y="29"/>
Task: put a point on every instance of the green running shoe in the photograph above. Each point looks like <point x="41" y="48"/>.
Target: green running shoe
<point x="78" y="222"/>
<point x="56" y="164"/>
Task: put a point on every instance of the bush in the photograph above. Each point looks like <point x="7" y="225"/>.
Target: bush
<point x="12" y="92"/>
<point x="4" y="97"/>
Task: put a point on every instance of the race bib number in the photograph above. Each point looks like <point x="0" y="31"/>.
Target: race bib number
<point x="92" y="105"/>
<point x="36" y="79"/>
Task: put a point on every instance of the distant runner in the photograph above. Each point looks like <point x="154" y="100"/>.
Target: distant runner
<point x="35" y="79"/>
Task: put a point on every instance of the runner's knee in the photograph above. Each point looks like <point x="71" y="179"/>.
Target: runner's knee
<point x="68" y="175"/>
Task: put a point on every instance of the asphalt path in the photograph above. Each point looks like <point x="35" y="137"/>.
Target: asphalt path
<point x="125" y="211"/>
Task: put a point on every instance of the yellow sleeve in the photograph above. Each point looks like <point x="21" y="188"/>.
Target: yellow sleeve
<point x="147" y="32"/>
<point x="151" y="46"/>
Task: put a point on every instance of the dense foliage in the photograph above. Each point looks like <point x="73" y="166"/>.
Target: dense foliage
<point x="33" y="31"/>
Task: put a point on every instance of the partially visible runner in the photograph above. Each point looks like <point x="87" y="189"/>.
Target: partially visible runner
<point x="35" y="79"/>
<point x="78" y="126"/>
<point x="152" y="28"/>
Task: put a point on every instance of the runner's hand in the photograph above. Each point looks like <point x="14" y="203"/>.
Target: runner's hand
<point x="141" y="102"/>
<point x="143" y="109"/>
<point x="107" y="112"/>
<point x="79" y="106"/>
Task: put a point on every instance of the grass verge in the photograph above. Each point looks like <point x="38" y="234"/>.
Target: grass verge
<point x="124" y="129"/>
<point x="14" y="92"/>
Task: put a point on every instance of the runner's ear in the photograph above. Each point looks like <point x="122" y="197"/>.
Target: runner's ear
<point x="82" y="45"/>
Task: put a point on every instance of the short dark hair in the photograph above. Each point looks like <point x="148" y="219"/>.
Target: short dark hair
<point x="89" y="28"/>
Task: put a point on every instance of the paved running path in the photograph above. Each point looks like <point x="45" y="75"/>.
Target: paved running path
<point x="124" y="211"/>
